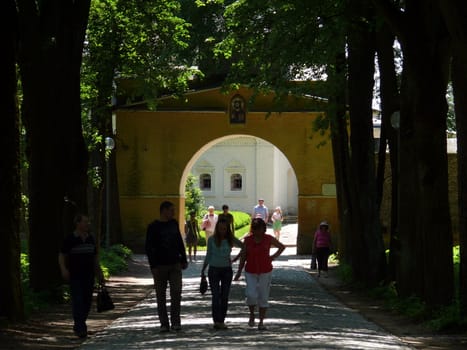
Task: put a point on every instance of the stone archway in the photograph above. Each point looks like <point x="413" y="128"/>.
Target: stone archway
<point x="154" y="149"/>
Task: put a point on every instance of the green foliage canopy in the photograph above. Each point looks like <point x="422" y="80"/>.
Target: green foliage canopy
<point x="274" y="42"/>
<point x="137" y="45"/>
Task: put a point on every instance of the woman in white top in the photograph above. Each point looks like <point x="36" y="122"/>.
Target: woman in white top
<point x="209" y="222"/>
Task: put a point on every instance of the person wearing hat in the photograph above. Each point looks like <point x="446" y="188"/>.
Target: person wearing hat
<point x="260" y="211"/>
<point x="209" y="222"/>
<point x="322" y="247"/>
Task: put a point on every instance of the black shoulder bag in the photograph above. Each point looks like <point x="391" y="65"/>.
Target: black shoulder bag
<point x="104" y="301"/>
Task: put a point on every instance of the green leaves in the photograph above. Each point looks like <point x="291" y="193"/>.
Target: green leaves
<point x="194" y="199"/>
<point x="134" y="39"/>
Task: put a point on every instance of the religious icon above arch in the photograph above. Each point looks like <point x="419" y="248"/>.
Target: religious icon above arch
<point x="237" y="110"/>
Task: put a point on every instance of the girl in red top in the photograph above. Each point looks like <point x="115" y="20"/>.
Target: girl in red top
<point x="258" y="269"/>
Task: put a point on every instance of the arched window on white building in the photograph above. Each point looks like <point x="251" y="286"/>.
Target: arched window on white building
<point x="236" y="183"/>
<point x="234" y="179"/>
<point x="205" y="182"/>
<point x="206" y="174"/>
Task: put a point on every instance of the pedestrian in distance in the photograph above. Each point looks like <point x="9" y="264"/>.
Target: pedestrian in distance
<point x="225" y="215"/>
<point x="167" y="258"/>
<point x="79" y="266"/>
<point x="260" y="211"/>
<point x="192" y="235"/>
<point x="322" y="247"/>
<point x="277" y="219"/>
<point x="257" y="261"/>
<point x="209" y="222"/>
<point x="220" y="273"/>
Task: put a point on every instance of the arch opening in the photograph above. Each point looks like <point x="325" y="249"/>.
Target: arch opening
<point x="241" y="169"/>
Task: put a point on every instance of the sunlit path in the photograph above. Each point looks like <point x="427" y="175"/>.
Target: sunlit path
<point x="302" y="315"/>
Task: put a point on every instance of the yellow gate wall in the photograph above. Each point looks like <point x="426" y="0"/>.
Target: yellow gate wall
<point x="155" y="151"/>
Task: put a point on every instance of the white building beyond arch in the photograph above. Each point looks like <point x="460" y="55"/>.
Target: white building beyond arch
<point x="264" y="171"/>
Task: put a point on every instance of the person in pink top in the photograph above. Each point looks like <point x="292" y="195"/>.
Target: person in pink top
<point x="322" y="247"/>
<point x="258" y="269"/>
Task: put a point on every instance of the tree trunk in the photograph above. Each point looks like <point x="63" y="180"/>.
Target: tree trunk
<point x="459" y="80"/>
<point x="108" y="202"/>
<point x="389" y="92"/>
<point x="116" y="222"/>
<point x="104" y="57"/>
<point x="336" y="113"/>
<point x="454" y="13"/>
<point x="366" y="235"/>
<point x="50" y="60"/>
<point x="11" y="297"/>
<point x="426" y="267"/>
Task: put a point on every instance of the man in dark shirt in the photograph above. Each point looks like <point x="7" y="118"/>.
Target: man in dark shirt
<point x="79" y="265"/>
<point x="167" y="258"/>
<point x="225" y="215"/>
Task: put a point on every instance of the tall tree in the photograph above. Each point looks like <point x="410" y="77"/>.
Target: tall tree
<point x="51" y="40"/>
<point x="389" y="92"/>
<point x="134" y="47"/>
<point x="315" y="32"/>
<point x="367" y="255"/>
<point x="337" y="114"/>
<point x="454" y="14"/>
<point x="426" y="267"/>
<point x="11" y="302"/>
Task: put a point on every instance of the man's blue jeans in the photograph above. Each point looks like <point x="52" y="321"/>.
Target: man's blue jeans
<point x="220" y="279"/>
<point x="172" y="275"/>
<point x="81" y="300"/>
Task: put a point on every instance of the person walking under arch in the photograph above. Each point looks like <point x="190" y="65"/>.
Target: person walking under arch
<point x="191" y="235"/>
<point x="277" y="219"/>
<point x="225" y="215"/>
<point x="209" y="222"/>
<point x="257" y="261"/>
<point x="260" y="211"/>
<point x="219" y="249"/>
<point x="167" y="258"/>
